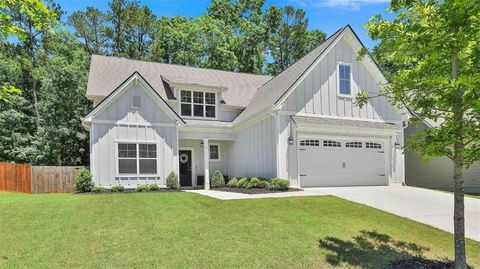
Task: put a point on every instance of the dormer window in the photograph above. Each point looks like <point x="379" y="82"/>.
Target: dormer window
<point x="198" y="104"/>
<point x="344" y="83"/>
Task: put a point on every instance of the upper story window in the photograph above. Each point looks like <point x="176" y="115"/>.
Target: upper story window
<point x="198" y="104"/>
<point x="344" y="83"/>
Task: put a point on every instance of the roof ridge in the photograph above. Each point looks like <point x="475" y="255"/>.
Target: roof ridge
<point x="299" y="59"/>
<point x="180" y="65"/>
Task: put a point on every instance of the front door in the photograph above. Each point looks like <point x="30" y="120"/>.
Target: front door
<point x="185" y="159"/>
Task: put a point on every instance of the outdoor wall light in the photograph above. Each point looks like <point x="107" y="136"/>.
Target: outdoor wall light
<point x="290" y="140"/>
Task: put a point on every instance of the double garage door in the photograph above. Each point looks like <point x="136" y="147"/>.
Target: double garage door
<point x="339" y="162"/>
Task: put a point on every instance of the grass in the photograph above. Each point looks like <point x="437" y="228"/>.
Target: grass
<point x="185" y="230"/>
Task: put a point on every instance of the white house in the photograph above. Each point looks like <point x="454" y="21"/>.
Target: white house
<point x="303" y="125"/>
<point x="437" y="173"/>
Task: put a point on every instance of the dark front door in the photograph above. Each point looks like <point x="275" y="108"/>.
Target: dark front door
<point x="185" y="158"/>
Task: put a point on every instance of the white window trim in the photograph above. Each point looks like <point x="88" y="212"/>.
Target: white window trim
<point x="219" y="152"/>
<point x="338" y="80"/>
<point x="137" y="175"/>
<point x="192" y="104"/>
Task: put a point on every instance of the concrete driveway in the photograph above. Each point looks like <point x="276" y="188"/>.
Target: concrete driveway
<point x="430" y="207"/>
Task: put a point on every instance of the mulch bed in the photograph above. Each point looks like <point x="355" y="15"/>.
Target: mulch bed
<point x="126" y="191"/>
<point x="253" y="190"/>
<point x="419" y="263"/>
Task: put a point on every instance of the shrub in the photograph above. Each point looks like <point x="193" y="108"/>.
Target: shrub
<point x="142" y="188"/>
<point x="279" y="184"/>
<point x="118" y="188"/>
<point x="243" y="182"/>
<point x="83" y="181"/>
<point x="99" y="189"/>
<point x="232" y="183"/>
<point x="218" y="180"/>
<point x="153" y="187"/>
<point x="172" y="181"/>
<point x="255" y="183"/>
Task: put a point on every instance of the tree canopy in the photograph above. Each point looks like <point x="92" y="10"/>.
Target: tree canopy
<point x="431" y="53"/>
<point x="45" y="59"/>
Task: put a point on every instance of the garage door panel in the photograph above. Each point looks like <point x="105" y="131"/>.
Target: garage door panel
<point x="340" y="166"/>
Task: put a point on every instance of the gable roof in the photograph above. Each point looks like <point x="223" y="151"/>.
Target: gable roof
<point x="106" y="73"/>
<point x="273" y="90"/>
<point x="133" y="78"/>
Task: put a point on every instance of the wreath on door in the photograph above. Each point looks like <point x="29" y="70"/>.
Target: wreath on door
<point x="183" y="158"/>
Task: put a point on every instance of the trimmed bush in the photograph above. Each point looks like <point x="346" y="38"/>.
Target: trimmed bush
<point x="279" y="184"/>
<point x="118" y="188"/>
<point x="153" y="187"/>
<point x="243" y="182"/>
<point x="172" y="181"/>
<point x="218" y="180"/>
<point x="143" y="188"/>
<point x="83" y="181"/>
<point x="255" y="183"/>
<point x="99" y="189"/>
<point x="232" y="183"/>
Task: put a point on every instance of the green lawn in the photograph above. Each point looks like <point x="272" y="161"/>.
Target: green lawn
<point x="185" y="230"/>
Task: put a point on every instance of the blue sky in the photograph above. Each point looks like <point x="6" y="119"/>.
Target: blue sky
<point x="325" y="15"/>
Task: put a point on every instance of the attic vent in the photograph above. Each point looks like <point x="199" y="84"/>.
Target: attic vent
<point x="136" y="102"/>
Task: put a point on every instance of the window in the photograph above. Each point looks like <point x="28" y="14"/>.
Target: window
<point x="137" y="158"/>
<point x="372" y="145"/>
<point x="197" y="104"/>
<point x="353" y="144"/>
<point x="344" y="79"/>
<point x="136" y="102"/>
<point x="127" y="158"/>
<point x="313" y="143"/>
<point x="330" y="143"/>
<point x="215" y="152"/>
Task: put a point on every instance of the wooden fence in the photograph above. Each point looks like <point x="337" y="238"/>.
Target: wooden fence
<point x="15" y="177"/>
<point x="37" y="179"/>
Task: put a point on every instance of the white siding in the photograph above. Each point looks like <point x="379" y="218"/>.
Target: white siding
<point x="254" y="150"/>
<point x="437" y="173"/>
<point x="222" y="165"/>
<point x="121" y="122"/>
<point x="318" y="92"/>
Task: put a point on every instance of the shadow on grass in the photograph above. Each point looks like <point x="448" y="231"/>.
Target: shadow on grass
<point x="371" y="249"/>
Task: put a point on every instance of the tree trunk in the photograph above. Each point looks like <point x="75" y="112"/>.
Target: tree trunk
<point x="458" y="167"/>
<point x="459" y="215"/>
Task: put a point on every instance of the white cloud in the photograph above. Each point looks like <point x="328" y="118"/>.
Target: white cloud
<point x="348" y="4"/>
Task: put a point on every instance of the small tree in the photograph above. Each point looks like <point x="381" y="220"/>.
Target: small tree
<point x="218" y="180"/>
<point x="172" y="181"/>
<point x="83" y="181"/>
<point x="432" y="52"/>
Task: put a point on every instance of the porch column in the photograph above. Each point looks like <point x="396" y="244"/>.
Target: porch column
<point x="206" y="161"/>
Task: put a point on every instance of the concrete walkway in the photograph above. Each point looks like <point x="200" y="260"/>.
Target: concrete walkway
<point x="430" y="207"/>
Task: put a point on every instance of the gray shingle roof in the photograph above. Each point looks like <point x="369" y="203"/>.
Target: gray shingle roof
<point x="274" y="89"/>
<point x="317" y="121"/>
<point x="106" y="73"/>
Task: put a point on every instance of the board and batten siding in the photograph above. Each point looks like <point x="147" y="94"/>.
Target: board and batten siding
<point x="221" y="165"/>
<point x="253" y="153"/>
<point x="437" y="173"/>
<point x="317" y="93"/>
<point x="121" y="122"/>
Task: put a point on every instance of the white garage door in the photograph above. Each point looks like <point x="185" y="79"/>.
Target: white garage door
<point x="337" y="162"/>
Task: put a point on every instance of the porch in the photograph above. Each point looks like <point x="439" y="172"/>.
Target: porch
<point x="200" y="157"/>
